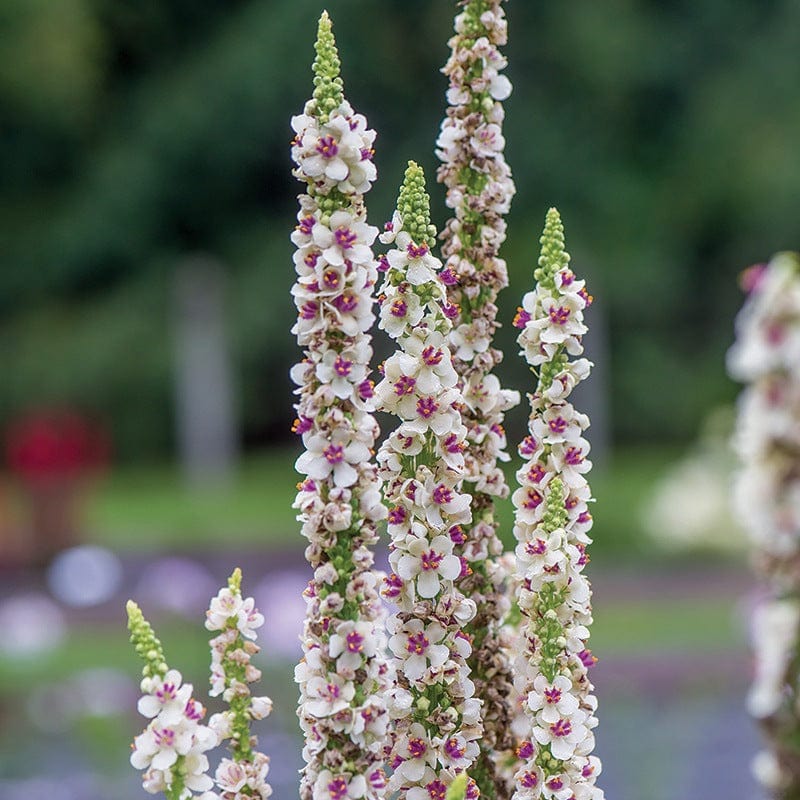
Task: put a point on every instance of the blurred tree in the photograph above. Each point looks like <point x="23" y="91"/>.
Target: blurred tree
<point x="135" y="132"/>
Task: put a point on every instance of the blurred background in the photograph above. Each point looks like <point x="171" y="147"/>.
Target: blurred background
<point x="145" y="207"/>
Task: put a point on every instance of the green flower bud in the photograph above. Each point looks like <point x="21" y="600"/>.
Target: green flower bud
<point x="414" y="207"/>
<point x="553" y="256"/>
<point x="328" y="87"/>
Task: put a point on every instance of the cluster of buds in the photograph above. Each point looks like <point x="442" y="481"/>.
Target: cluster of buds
<point x="766" y="357"/>
<point x="436" y="717"/>
<point x="551" y="526"/>
<point x="171" y="749"/>
<point x="479" y="191"/>
<point x="244" y="777"/>
<point x="343" y="675"/>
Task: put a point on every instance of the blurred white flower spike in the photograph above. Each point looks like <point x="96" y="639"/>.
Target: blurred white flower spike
<point x="766" y="500"/>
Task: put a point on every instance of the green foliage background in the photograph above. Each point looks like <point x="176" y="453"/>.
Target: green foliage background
<point x="136" y="134"/>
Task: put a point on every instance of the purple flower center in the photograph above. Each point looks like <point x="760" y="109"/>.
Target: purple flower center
<point x="448" y="277"/>
<point x="397" y="515"/>
<point x="442" y="495"/>
<point x="331" y="278"/>
<point x="346" y="302"/>
<point x="334" y="453"/>
<point x="416" y="251"/>
<point x="309" y="310"/>
<point x="366" y="389"/>
<point x="417" y="748"/>
<point x="561" y="727"/>
<point x="529" y="780"/>
<point x="165" y="737"/>
<point x="345" y="238"/>
<point x="454" y="748"/>
<point x="555" y="784"/>
<point x="557" y="425"/>
<point x="567" y="276"/>
<point x="522" y="318"/>
<point x="537" y="547"/>
<point x="527" y="446"/>
<point x="383" y="263"/>
<point x="427" y="407"/>
<point x="559" y="316"/>
<point x="342" y="366"/>
<point x="306" y="224"/>
<point x="327" y="147"/>
<point x="337" y="788"/>
<point x="573" y="456"/>
<point x="457" y="535"/>
<point x="436" y="790"/>
<point x="451" y="310"/>
<point x="355" y="642"/>
<point x="166" y="693"/>
<point x="377" y="779"/>
<point x="311" y="259"/>
<point x="393" y="586"/>
<point x="587" y="771"/>
<point x="525" y="750"/>
<point x="417" y="643"/>
<point x="552" y="695"/>
<point x="532" y="499"/>
<point x="587" y="658"/>
<point x="405" y="385"/>
<point x="302" y="424"/>
<point x="430" y="561"/>
<point x="332" y="691"/>
<point x="399" y="307"/>
<point x="193" y="710"/>
<point x="431" y="356"/>
<point x="535" y="473"/>
<point x="367" y="153"/>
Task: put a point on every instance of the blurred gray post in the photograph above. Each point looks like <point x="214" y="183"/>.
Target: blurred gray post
<point x="207" y="434"/>
<point x="592" y="395"/>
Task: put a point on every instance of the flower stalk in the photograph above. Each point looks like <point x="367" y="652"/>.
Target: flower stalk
<point x="343" y="675"/>
<point x="552" y="521"/>
<point x="479" y="191"/>
<point x="437" y="718"/>
<point x="767" y="440"/>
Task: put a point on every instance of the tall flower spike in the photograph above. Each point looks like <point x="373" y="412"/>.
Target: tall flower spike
<point x="479" y="191"/>
<point x="767" y="440"/>
<point x="231" y="671"/>
<point x="552" y="521"/>
<point x="437" y="718"/>
<point x="343" y="675"/>
<point x="171" y="749"/>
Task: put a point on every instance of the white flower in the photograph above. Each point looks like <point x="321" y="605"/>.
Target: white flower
<point x="418" y="645"/>
<point x="563" y="734"/>
<point x="230" y="776"/>
<point x="336" y="456"/>
<point x="428" y="563"/>
<point x="554" y="699"/>
<point x="343" y="786"/>
<point x="166" y="699"/>
<point x="226" y="605"/>
<point x="329" y="695"/>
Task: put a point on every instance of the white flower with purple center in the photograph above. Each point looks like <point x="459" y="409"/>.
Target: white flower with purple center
<point x="345" y="240"/>
<point x="342" y="786"/>
<point x="554" y="700"/>
<point x="563" y="733"/>
<point x="427" y="563"/>
<point x="166" y="699"/>
<point x="351" y="643"/>
<point x="400" y="310"/>
<point x="326" y="696"/>
<point x="344" y="371"/>
<point x="418" y="645"/>
<point x="417" y="753"/>
<point x="332" y="456"/>
<point x="414" y="261"/>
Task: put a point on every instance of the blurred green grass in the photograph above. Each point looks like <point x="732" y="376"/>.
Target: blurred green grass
<point x="143" y="508"/>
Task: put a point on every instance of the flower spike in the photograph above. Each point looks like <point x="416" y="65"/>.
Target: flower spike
<point x="479" y="192"/>
<point x="552" y="521"/>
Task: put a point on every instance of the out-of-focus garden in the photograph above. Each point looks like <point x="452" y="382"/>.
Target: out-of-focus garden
<point x="145" y="206"/>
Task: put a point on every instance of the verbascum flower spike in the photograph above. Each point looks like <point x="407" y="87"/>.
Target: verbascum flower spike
<point x="479" y="191"/>
<point x="552" y="521"/>
<point x="171" y="749"/>
<point x="343" y="675"/>
<point x="237" y="619"/>
<point x="437" y="718"/>
<point x="766" y="358"/>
